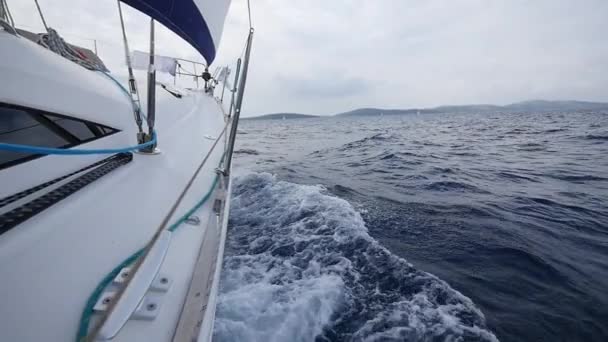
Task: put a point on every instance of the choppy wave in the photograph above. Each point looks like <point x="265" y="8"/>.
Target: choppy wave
<point x="448" y="186"/>
<point x="510" y="209"/>
<point x="249" y="151"/>
<point x="301" y="266"/>
<point x="376" y="138"/>
<point x="596" y="137"/>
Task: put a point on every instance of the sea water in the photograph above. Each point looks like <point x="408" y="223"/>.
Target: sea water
<point x="439" y="227"/>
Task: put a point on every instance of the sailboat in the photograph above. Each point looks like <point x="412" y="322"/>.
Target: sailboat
<point x="113" y="212"/>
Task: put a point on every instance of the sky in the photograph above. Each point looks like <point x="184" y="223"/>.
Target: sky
<point x="326" y="57"/>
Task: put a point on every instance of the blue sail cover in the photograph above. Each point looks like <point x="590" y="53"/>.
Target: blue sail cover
<point x="199" y="22"/>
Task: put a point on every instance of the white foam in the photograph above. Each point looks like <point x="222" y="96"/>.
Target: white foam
<point x="300" y="264"/>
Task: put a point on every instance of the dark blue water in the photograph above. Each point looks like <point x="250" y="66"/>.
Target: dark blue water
<point x="445" y="227"/>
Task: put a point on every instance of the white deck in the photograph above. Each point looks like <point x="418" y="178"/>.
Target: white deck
<point x="51" y="263"/>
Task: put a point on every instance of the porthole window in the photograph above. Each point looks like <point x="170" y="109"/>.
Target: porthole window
<point x="26" y="126"/>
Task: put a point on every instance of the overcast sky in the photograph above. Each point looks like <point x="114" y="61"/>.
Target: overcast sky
<point x="330" y="56"/>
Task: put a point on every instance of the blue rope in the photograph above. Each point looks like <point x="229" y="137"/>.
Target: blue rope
<point x="87" y="313"/>
<point x="64" y="151"/>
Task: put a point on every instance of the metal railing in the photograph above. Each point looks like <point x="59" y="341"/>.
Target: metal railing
<point x="239" y="92"/>
<point x="192" y="73"/>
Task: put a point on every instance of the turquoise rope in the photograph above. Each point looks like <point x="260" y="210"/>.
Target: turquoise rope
<point x="124" y="90"/>
<point x="196" y="207"/>
<point x="87" y="313"/>
<point x="69" y="151"/>
<point x="88" y="309"/>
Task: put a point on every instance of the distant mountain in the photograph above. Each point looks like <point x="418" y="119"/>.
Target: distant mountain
<point x="378" y="111"/>
<point x="481" y="108"/>
<point x="281" y="116"/>
<point x="526" y="106"/>
<point x="542" y="105"/>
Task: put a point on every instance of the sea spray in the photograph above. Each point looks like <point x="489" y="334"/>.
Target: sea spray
<point x="300" y="266"/>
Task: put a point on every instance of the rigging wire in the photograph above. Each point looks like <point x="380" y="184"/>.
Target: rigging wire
<point x="249" y="12"/>
<point x="3" y="16"/>
<point x="7" y="13"/>
<point x="132" y="82"/>
<point x="41" y="16"/>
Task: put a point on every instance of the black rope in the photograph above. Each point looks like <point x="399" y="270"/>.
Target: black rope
<point x="15" y="197"/>
<point x="18" y="215"/>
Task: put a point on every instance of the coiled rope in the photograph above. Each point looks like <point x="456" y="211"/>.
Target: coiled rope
<point x="52" y="41"/>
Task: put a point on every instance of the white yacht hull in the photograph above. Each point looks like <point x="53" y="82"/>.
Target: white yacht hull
<point x="53" y="261"/>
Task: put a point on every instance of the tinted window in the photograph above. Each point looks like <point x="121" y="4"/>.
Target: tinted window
<point x="14" y="119"/>
<point x="77" y="128"/>
<point x="26" y="126"/>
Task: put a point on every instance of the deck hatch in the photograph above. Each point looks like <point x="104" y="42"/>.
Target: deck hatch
<point x="28" y="126"/>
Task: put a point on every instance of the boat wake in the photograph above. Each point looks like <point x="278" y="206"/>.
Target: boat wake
<point x="300" y="266"/>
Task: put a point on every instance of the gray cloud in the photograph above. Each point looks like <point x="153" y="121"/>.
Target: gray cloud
<point x="323" y="57"/>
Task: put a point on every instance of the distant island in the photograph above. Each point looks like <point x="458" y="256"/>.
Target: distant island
<point x="525" y="106"/>
<point x="282" y="116"/>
